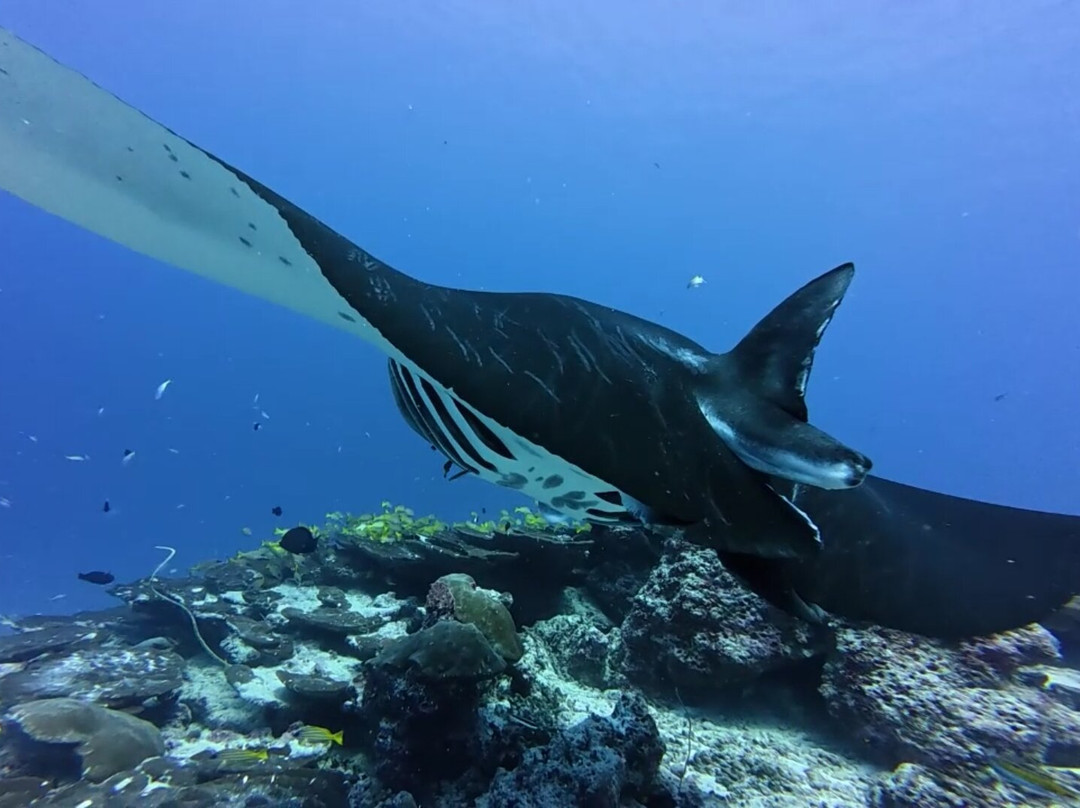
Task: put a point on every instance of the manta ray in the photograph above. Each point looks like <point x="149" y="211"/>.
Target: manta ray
<point x="593" y="412"/>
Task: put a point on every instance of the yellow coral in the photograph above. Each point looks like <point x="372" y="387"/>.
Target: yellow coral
<point x="396" y="522"/>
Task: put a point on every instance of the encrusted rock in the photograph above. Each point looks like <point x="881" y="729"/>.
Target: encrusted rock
<point x="18" y="792"/>
<point x="237" y="675"/>
<point x="164" y="783"/>
<point x="333" y="621"/>
<point x="1065" y="625"/>
<point x="445" y="651"/>
<point x="29" y="644"/>
<point x="332" y="597"/>
<point x="599" y="762"/>
<point x="253" y="632"/>
<point x="579" y="648"/>
<point x="93" y="741"/>
<point x="1062" y="684"/>
<point x="695" y="627"/>
<point x="913" y="786"/>
<point x="235" y="575"/>
<point x="421" y="698"/>
<point x="1004" y="653"/>
<point x="113" y="677"/>
<point x="317" y="688"/>
<point x="255" y="643"/>
<point x="458" y="597"/>
<point x="909" y="698"/>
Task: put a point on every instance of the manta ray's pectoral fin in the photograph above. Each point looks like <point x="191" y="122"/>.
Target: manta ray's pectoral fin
<point x="935" y="564"/>
<point x="753" y="396"/>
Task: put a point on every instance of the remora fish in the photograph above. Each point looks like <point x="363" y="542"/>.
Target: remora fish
<point x="594" y="412"/>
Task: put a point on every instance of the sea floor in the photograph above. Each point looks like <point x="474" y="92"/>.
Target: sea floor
<point x="510" y="665"/>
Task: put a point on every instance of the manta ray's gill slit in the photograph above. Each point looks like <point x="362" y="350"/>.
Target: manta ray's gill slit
<point x="424" y="419"/>
<point x="405" y="406"/>
<point x="489" y="438"/>
<point x="499" y="455"/>
<point x="451" y="426"/>
<point x="428" y="427"/>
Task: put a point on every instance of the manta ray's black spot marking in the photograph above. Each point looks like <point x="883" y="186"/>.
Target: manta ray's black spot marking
<point x="614" y="497"/>
<point x="185" y="175"/>
<point x="345" y="316"/>
<point x="490" y="439"/>
<point x="252" y="225"/>
<point x="284" y="260"/>
<point x="554" y="481"/>
<point x="174" y="158"/>
<point x="244" y="241"/>
<point x="573" y="501"/>
<point x="234" y="192"/>
<point x="514" y="480"/>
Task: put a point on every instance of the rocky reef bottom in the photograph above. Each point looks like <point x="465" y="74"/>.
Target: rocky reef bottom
<point x="517" y="667"/>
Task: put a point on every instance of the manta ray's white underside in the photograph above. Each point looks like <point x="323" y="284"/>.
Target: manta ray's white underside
<point x="77" y="151"/>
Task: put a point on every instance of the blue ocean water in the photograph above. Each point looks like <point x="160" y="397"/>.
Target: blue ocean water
<point x="609" y="152"/>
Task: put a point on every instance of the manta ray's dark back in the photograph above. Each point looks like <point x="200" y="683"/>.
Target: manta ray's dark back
<point x="936" y="564"/>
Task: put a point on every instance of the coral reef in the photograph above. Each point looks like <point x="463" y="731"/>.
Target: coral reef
<point x="602" y="762"/>
<point x="410" y="662"/>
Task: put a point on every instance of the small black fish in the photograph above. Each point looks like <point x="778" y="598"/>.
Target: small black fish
<point x="106" y="507"/>
<point x="299" y="540"/>
<point x="1000" y="396"/>
<point x="97" y="577"/>
<point x="256" y="426"/>
<point x="657" y="165"/>
<point x="276" y="510"/>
